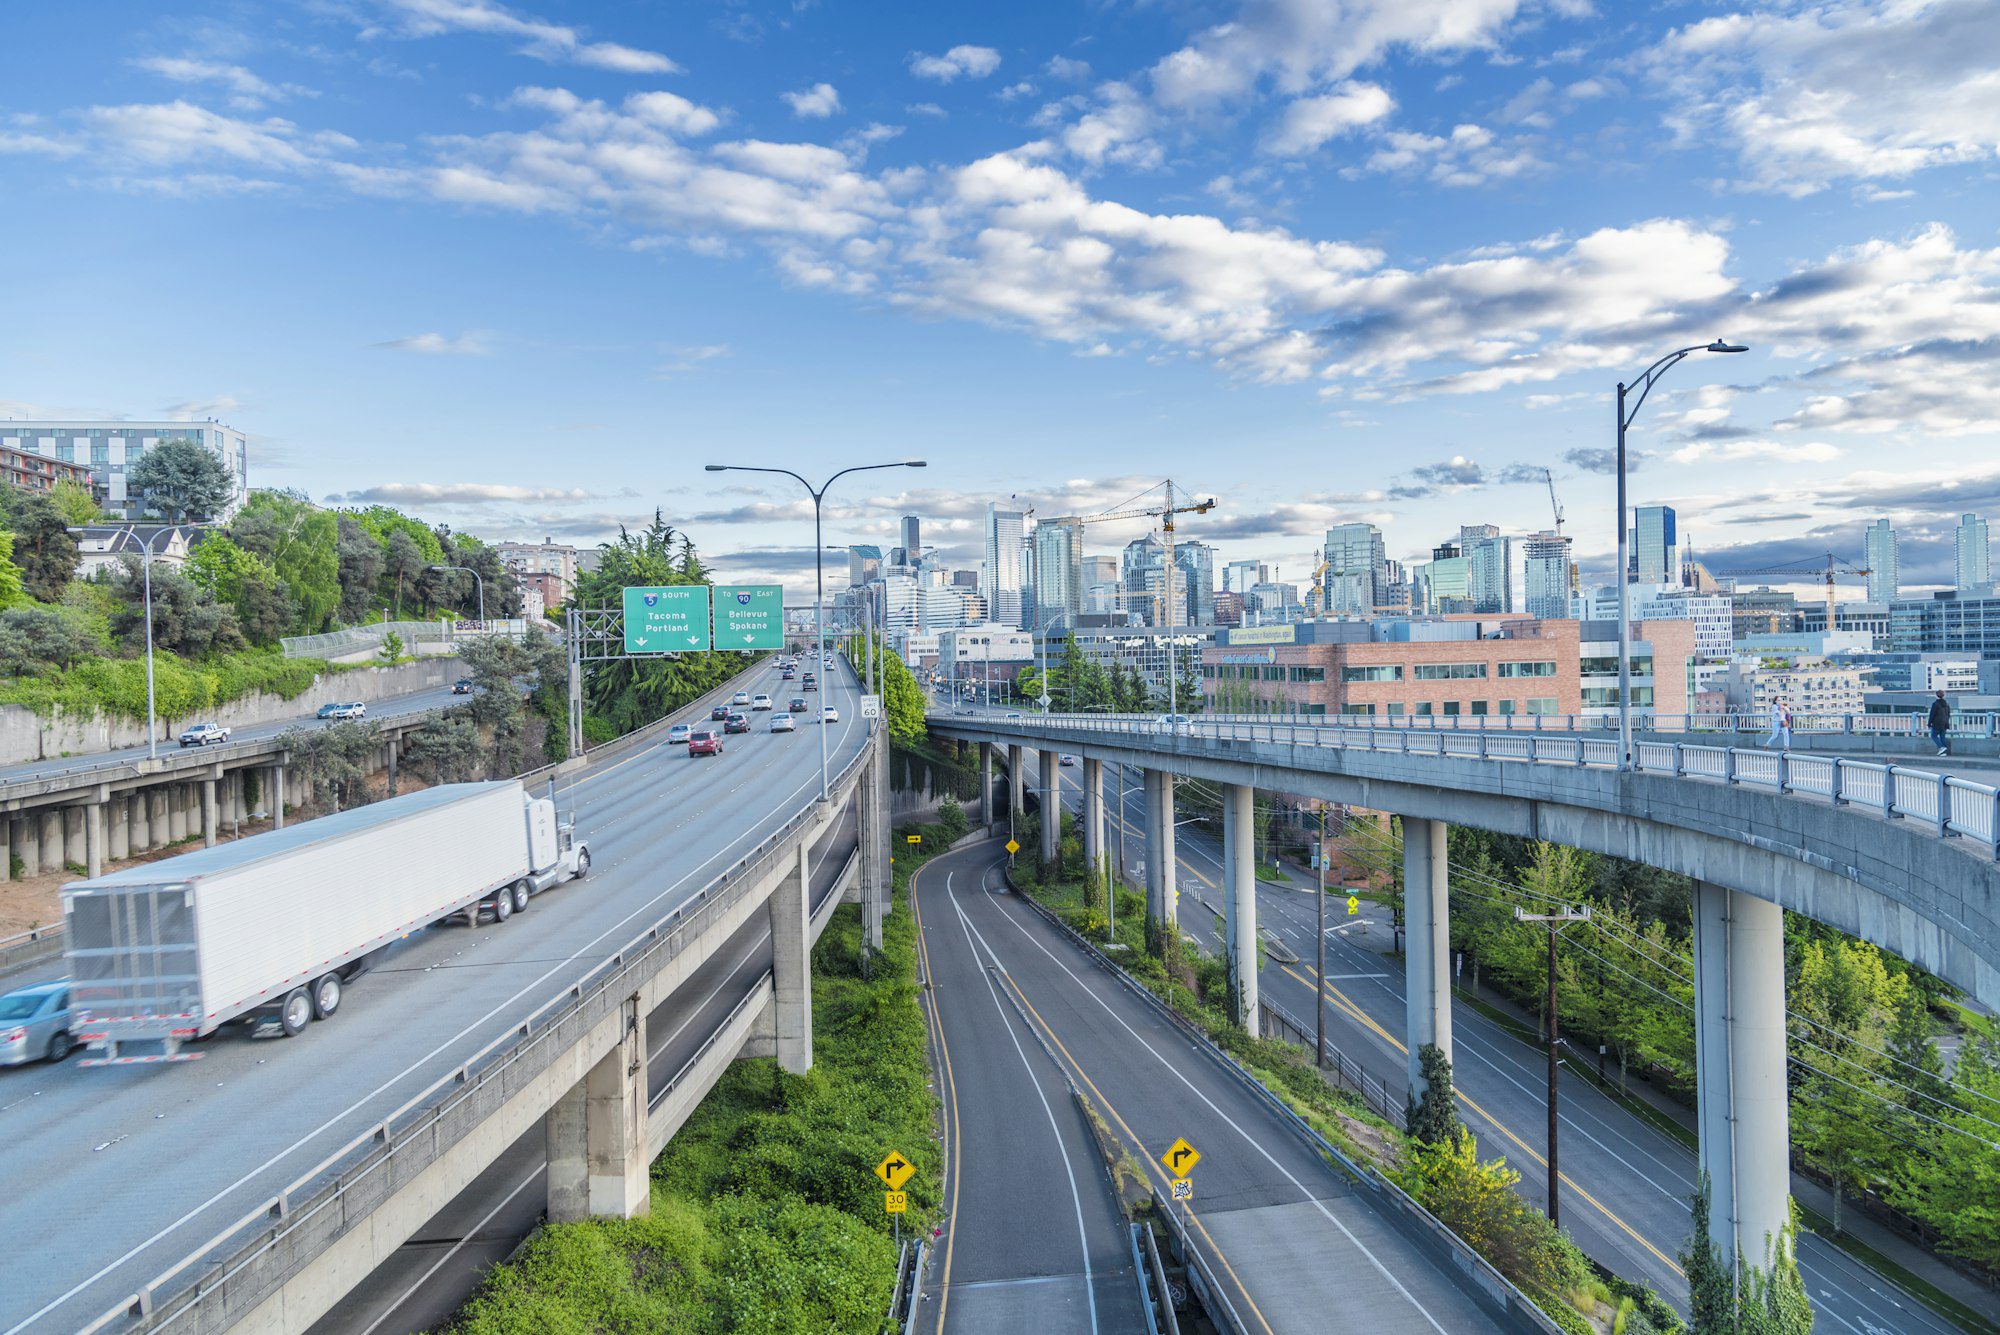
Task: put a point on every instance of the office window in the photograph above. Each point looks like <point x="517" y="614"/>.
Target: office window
<point x="1451" y="708"/>
<point x="1373" y="672"/>
<point x="1542" y="704"/>
<point x="1422" y="709"/>
<point x="1540" y="669"/>
<point x="1395" y="710"/>
<point x="1479" y="708"/>
<point x="1506" y="707"/>
<point x="1364" y="710"/>
<point x="65" y="452"/>
<point x="1305" y="674"/>
<point x="1449" y="672"/>
<point x="100" y="453"/>
<point x="1607" y="665"/>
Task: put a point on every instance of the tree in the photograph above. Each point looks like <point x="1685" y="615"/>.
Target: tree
<point x="1433" y="1118"/>
<point x="445" y="749"/>
<point x="182" y="481"/>
<point x="361" y="559"/>
<point x="1711" y="1289"/>
<point x="36" y="640"/>
<point x="301" y="542"/>
<point x="1839" y="1128"/>
<point x="902" y="698"/>
<point x="403" y="562"/>
<point x="185" y="620"/>
<point x="75" y="503"/>
<point x="43" y="547"/>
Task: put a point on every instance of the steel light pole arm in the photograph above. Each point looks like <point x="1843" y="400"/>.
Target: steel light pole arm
<point x="479" y="579"/>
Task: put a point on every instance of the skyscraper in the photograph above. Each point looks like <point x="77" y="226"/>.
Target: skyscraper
<point x="1058" y="552"/>
<point x="1355" y="563"/>
<point x="864" y="563"/>
<point x="1194" y="598"/>
<point x="1004" y="578"/>
<point x="1883" y="577"/>
<point x="1547" y="584"/>
<point x="1242" y="576"/>
<point x="1975" y="565"/>
<point x="1489" y="567"/>
<point x="913" y="543"/>
<point x="1655" y="547"/>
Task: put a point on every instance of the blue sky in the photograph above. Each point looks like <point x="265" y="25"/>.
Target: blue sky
<point x="526" y="268"/>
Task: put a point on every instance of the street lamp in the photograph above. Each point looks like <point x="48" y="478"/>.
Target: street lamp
<point x="146" y="565"/>
<point x="482" y="588"/>
<point x="1625" y="417"/>
<point x="818" y="494"/>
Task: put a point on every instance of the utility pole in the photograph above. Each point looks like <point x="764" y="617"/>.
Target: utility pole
<point x="1554" y="920"/>
<point x="1319" y="948"/>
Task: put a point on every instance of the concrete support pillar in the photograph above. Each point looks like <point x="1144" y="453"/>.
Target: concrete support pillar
<point x="7" y="827"/>
<point x="277" y="797"/>
<point x="1015" y="783"/>
<point x="119" y="837"/>
<point x="596" y="1135"/>
<point x="869" y="812"/>
<point x="76" y="844"/>
<point x="24" y="837"/>
<point x="177" y="812"/>
<point x="986" y="784"/>
<point x="1239" y="862"/>
<point x="1093" y="815"/>
<point x="51" y="840"/>
<point x="1162" y="886"/>
<point x="791" y="967"/>
<point x="1426" y="944"/>
<point x="208" y="813"/>
<point x="93" y="840"/>
<point x="1741" y="1115"/>
<point x="1051" y="799"/>
<point x="393" y="749"/>
<point x="159" y="801"/>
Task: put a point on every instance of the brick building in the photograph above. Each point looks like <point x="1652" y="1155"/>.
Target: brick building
<point x="32" y="472"/>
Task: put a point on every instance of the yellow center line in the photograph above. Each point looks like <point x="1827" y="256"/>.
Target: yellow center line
<point x="951" y="1085"/>
<point x="1363" y="1018"/>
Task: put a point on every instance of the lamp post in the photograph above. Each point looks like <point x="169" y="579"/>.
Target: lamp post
<point x="818" y="494"/>
<point x="478" y="579"/>
<point x="146" y="565"/>
<point x="1644" y="386"/>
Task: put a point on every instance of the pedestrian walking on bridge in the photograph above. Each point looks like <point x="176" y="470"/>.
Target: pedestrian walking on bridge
<point x="1940" y="724"/>
<point x="1780" y="735"/>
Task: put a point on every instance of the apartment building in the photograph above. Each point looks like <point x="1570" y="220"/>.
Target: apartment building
<point x="109" y="449"/>
<point x="32" y="472"/>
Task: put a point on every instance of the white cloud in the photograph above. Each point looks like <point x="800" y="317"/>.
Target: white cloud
<point x="247" y="91"/>
<point x="815" y="103"/>
<point x="1062" y="67"/>
<point x="197" y="410"/>
<point x="1735" y="451"/>
<point x="1470" y="155"/>
<point x="440" y="345"/>
<point x="974" y="62"/>
<point x="553" y="42"/>
<point x="1310" y="121"/>
<point x="926" y="109"/>
<point x="1813" y="94"/>
<point x="458" y="493"/>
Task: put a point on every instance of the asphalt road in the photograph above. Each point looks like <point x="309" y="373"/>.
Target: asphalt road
<point x="1034" y="1238"/>
<point x="1626" y="1183"/>
<point x="1293" y="1240"/>
<point x="397" y="706"/>
<point x="433" y="1273"/>
<point x="114" y="1174"/>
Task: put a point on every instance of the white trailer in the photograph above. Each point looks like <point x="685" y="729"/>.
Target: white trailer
<point x="271" y="928"/>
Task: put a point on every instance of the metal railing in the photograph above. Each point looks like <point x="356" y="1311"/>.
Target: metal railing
<point x="358" y="639"/>
<point x="1346" y="1072"/>
<point x="289" y="1228"/>
<point x="1946" y="805"/>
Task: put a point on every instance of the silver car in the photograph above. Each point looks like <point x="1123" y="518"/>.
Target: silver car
<point x="34" y="1023"/>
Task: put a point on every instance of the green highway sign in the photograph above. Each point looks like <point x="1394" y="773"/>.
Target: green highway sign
<point x="666" y="620"/>
<point x="749" y="616"/>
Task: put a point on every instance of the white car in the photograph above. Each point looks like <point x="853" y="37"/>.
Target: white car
<point x="740" y="698"/>
<point x="204" y="734"/>
<point x="784" y="723"/>
<point x="760" y="701"/>
<point x="1173" y="722"/>
<point x="829" y="715"/>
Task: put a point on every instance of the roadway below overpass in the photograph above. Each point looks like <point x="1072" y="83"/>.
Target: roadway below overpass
<point x="116" y="1174"/>
<point x="1027" y="1245"/>
<point x="1626" y="1181"/>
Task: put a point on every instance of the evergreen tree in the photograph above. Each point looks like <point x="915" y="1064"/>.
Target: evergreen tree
<point x="1433" y="1118"/>
<point x="1711" y="1292"/>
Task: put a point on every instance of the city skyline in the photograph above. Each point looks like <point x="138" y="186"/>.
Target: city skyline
<point x="711" y="237"/>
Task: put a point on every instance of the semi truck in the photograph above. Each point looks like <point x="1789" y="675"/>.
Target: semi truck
<point x="269" y="930"/>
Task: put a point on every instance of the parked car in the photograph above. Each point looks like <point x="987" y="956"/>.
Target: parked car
<point x="829" y="715"/>
<point x="463" y="686"/>
<point x="783" y="723"/>
<point x="204" y="734"/>
<point x="679" y="733"/>
<point x="760" y="701"/>
<point x="736" y="723"/>
<point x="34" y="1024"/>
<point x="798" y="704"/>
<point x="718" y="714"/>
<point x="704" y="742"/>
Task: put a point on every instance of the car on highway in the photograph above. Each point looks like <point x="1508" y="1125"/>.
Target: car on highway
<point x="704" y="742"/>
<point x="718" y="714"/>
<point x="1067" y="760"/>
<point x="204" y="734"/>
<point x="678" y="734"/>
<point x="736" y="723"/>
<point x="740" y="698"/>
<point x="34" y="1024"/>
<point x="1173" y="722"/>
<point x="760" y="701"/>
<point x="1013" y="714"/>
<point x="829" y="715"/>
<point x="463" y="686"/>
<point x="352" y="709"/>
<point x="784" y="723"/>
<point x="797" y="705"/>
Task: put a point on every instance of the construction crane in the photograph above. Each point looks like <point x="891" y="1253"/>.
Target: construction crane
<point x="1316" y="595"/>
<point x="1554" y="504"/>
<point x="1165" y="514"/>
<point x="1824" y="568"/>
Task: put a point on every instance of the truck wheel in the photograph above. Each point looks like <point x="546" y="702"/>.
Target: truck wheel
<point x="295" y="1013"/>
<point x="521" y="896"/>
<point x="59" y="1045"/>
<point x="503" y="905"/>
<point x="582" y="864"/>
<point x="326" y="997"/>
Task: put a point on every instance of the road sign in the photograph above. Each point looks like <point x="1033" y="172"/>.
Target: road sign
<point x="666" y="620"/>
<point x="1013" y="847"/>
<point x="895" y="1170"/>
<point x="749" y="616"/>
<point x="871" y="706"/>
<point x="896" y="1202"/>
<point x="1181" y="1158"/>
<point x="913" y="839"/>
<point x="1353" y="905"/>
<point x="1182" y="1188"/>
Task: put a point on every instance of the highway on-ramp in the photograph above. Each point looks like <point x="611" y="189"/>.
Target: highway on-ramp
<point x="115" y="1174"/>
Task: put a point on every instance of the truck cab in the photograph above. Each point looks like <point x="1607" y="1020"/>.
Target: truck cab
<point x="556" y="853"/>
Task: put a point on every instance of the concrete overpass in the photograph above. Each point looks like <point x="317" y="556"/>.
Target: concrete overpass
<point x="1900" y="857"/>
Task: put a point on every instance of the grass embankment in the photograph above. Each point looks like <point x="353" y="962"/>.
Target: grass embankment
<point x="117" y="686"/>
<point x="1475" y="1199"/>
<point x="766" y="1212"/>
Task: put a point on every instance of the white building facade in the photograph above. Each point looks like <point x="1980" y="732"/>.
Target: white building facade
<point x="110" y="449"/>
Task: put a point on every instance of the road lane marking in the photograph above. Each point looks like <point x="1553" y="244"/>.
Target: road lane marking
<point x="436" y="1265"/>
<point x="951" y="1127"/>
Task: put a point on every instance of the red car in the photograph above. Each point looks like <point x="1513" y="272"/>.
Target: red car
<point x="705" y="742"/>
